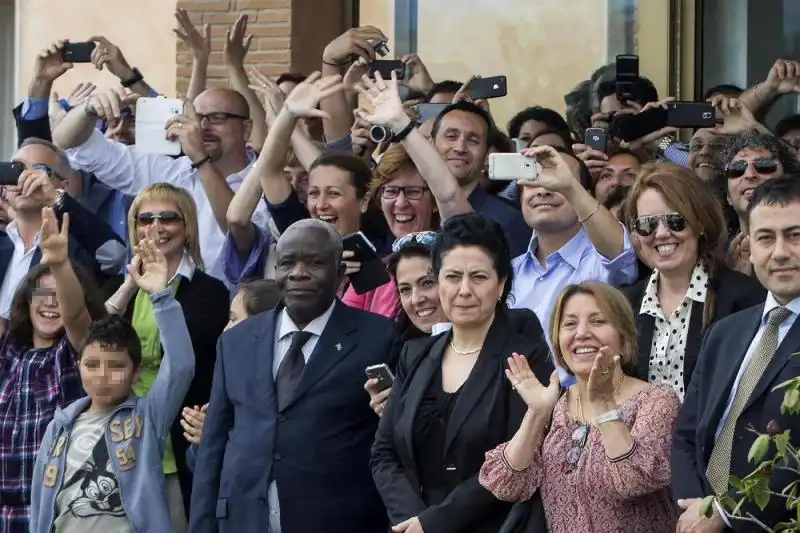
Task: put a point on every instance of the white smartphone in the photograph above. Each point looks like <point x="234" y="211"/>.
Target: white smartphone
<point x="519" y="145"/>
<point x="508" y="167"/>
<point x="151" y="115"/>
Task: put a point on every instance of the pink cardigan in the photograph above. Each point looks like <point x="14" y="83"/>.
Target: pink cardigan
<point x="381" y="301"/>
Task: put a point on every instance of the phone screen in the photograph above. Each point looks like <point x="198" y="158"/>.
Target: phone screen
<point x="78" y="52"/>
<point x="10" y="173"/>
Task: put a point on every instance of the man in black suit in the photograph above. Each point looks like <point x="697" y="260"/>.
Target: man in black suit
<point x="743" y="357"/>
<point x="289" y="428"/>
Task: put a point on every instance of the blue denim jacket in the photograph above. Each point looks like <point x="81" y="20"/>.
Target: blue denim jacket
<point x="135" y="434"/>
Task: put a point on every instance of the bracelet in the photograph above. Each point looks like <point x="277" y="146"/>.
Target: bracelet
<point x="113" y="307"/>
<point x="397" y="137"/>
<point x="607" y="417"/>
<point x="590" y="215"/>
<point x="137" y="77"/>
<point x="90" y="112"/>
<point x="334" y="64"/>
<point x="202" y="162"/>
<point x="290" y="112"/>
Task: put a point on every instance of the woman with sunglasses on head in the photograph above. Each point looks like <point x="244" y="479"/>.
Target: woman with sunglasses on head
<point x="681" y="233"/>
<point x="450" y="402"/>
<point x="167" y="215"/>
<point x="603" y="464"/>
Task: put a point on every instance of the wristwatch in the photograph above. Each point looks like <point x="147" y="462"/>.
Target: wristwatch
<point x="607" y="417"/>
<point x="136" y="78"/>
<point x="664" y="143"/>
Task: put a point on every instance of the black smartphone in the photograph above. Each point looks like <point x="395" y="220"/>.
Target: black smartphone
<point x="428" y="111"/>
<point x="691" y="115"/>
<point x="78" y="52"/>
<point x="10" y="172"/>
<point x="597" y="139"/>
<point x="629" y="126"/>
<point x="491" y="87"/>
<point x="363" y="250"/>
<point x="627" y="72"/>
<point x="386" y="67"/>
<point x="382" y="373"/>
<point x="373" y="272"/>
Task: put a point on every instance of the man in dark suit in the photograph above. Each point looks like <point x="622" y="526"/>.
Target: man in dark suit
<point x="288" y="430"/>
<point x="743" y="357"/>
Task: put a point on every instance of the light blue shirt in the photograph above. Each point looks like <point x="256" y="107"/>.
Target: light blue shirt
<point x="536" y="287"/>
<point x="36" y="108"/>
<point x="783" y="329"/>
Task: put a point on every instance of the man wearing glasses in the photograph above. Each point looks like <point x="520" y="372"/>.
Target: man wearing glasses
<point x="213" y="133"/>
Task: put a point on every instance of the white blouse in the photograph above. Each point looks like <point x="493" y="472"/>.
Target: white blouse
<point x="669" y="336"/>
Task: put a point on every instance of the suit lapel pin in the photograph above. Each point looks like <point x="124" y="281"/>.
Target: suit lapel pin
<point x="338" y="346"/>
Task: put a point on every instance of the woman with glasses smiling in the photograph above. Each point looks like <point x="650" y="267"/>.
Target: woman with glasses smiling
<point x="603" y="465"/>
<point x="681" y="233"/>
<point x="167" y="214"/>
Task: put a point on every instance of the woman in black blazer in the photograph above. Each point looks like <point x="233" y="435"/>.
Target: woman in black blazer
<point x="168" y="214"/>
<point x="681" y="230"/>
<point x="450" y="401"/>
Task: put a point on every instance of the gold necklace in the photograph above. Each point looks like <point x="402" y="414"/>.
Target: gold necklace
<point x="581" y="419"/>
<point x="453" y="347"/>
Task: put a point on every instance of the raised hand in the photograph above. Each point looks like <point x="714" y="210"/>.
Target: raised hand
<point x="54" y="243"/>
<point x="355" y="41"/>
<point x="420" y="77"/>
<point x="352" y="77"/>
<point x="109" y="104"/>
<point x="606" y="374"/>
<point x="237" y="43"/>
<point x="304" y="99"/>
<point x="554" y="174"/>
<point x="50" y="64"/>
<point x="106" y="54"/>
<point x="81" y="93"/>
<point x="653" y="136"/>
<point x="784" y="76"/>
<point x="186" y="128"/>
<point x="193" y="420"/>
<point x="736" y="117"/>
<point x="37" y="184"/>
<point x="273" y="96"/>
<point x="387" y="108"/>
<point x="148" y="267"/>
<point x="198" y="43"/>
<point x="535" y="395"/>
<point x="359" y="134"/>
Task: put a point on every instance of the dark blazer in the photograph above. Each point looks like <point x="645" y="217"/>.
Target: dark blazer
<point x="205" y="302"/>
<point x="487" y="413"/>
<point x="316" y="448"/>
<point x="510" y="218"/>
<point x="721" y="355"/>
<point x="39" y="127"/>
<point x="733" y="292"/>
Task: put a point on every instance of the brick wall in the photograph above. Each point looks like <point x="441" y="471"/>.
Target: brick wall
<point x="269" y="23"/>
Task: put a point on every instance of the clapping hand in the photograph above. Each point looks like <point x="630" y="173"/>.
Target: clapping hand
<point x="605" y="375"/>
<point x="237" y="44"/>
<point x="198" y="43"/>
<point x="304" y="99"/>
<point x="192" y="420"/>
<point x="54" y="243"/>
<point x="148" y="267"/>
<point x="535" y="395"/>
<point x="387" y="108"/>
<point x="554" y="174"/>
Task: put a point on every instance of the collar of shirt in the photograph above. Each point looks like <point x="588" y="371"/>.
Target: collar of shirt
<point x="13" y="233"/>
<point x="186" y="268"/>
<point x="570" y="253"/>
<point x="772" y="303"/>
<point x="315" y="327"/>
<point x="697" y="291"/>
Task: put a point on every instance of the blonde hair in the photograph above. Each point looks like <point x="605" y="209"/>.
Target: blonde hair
<point x="393" y="160"/>
<point x="184" y="205"/>
<point x="615" y="308"/>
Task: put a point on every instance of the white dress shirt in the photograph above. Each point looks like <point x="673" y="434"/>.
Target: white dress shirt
<point x="18" y="267"/>
<point x="128" y="170"/>
<point x="284" y="328"/>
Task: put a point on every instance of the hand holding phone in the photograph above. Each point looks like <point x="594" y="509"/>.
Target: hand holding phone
<point x="151" y="116"/>
<point x="596" y="139"/>
<point x="509" y="167"/>
<point x="10" y="173"/>
<point x="386" y="67"/>
<point x="371" y="272"/>
<point x="78" y="52"/>
<point x="485" y="88"/>
<point x="382" y="373"/>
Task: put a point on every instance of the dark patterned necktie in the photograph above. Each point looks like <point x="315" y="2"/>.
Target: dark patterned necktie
<point x="291" y="368"/>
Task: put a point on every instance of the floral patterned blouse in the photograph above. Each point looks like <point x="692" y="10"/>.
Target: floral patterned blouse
<point x="581" y="488"/>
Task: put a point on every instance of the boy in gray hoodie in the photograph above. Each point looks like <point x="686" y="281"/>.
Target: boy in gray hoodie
<point x="99" y="465"/>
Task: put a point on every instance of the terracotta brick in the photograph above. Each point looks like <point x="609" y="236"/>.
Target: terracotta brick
<point x="274" y="56"/>
<point x="274" y="15"/>
<point x="205" y="5"/>
<point x="220" y="18"/>
<point x="263" y="4"/>
<point x="271" y="30"/>
<point x="271" y="43"/>
<point x="217" y="82"/>
<point x="270" y="70"/>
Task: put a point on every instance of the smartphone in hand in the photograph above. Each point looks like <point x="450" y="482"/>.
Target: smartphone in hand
<point x="151" y="116"/>
<point x="491" y="87"/>
<point x="596" y="139"/>
<point x="509" y="167"/>
<point x="10" y="172"/>
<point x="382" y="373"/>
<point x="78" y="52"/>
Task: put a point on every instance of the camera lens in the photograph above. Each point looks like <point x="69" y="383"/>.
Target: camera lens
<point x="378" y="134"/>
<point x="381" y="48"/>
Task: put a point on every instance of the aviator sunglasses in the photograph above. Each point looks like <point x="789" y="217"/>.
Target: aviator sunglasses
<point x="646" y="225"/>
<point x="146" y="218"/>
<point x="763" y="165"/>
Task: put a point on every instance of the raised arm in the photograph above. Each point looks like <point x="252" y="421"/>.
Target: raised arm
<point x="388" y="111"/>
<point x="200" y="46"/>
<point x="54" y="244"/>
<point x="237" y="44"/>
<point x="783" y="78"/>
<point x="163" y="401"/>
<point x="108" y="55"/>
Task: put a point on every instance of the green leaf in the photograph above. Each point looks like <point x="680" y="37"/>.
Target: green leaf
<point x="785" y="384"/>
<point x="761" y="496"/>
<point x="781" y="440"/>
<point x="759" y="449"/>
<point x="706" y="509"/>
<point x="791" y="401"/>
<point x="736" y="482"/>
<point x="727" y="502"/>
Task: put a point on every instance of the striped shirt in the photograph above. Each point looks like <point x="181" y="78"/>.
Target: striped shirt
<point x="33" y="384"/>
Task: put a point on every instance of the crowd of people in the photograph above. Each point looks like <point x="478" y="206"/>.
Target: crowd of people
<point x="186" y="339"/>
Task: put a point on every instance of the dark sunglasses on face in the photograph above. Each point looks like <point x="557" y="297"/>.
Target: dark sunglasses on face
<point x="646" y="225"/>
<point x="762" y="165"/>
<point x="425" y="238"/>
<point x="219" y="118"/>
<point x="146" y="218"/>
<point x="411" y="192"/>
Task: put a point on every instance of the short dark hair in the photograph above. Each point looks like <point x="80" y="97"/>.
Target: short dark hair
<point x="723" y="88"/>
<point x="777" y="191"/>
<point x="114" y="332"/>
<point x="414" y="94"/>
<point x="474" y="229"/>
<point x="787" y="124"/>
<point x="291" y="77"/>
<point x="259" y="295"/>
<point x="549" y="117"/>
<point x="617" y="197"/>
<point x="446" y="86"/>
<point x="469" y="107"/>
<point x="642" y="89"/>
<point x="500" y="142"/>
<point x="360" y="173"/>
